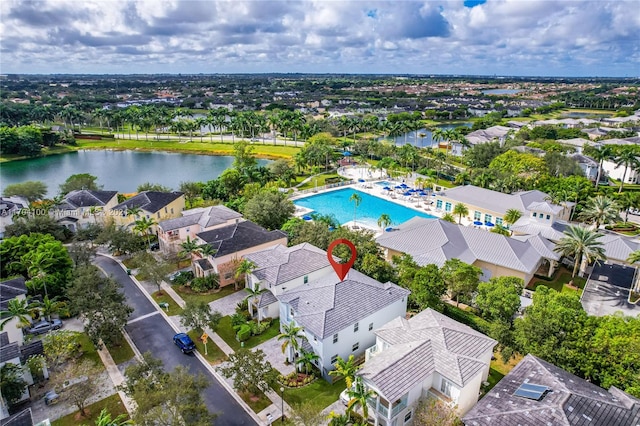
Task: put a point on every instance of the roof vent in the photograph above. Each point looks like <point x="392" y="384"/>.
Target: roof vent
<point x="532" y="391"/>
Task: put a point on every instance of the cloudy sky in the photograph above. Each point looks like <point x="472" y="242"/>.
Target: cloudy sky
<point x="504" y="37"/>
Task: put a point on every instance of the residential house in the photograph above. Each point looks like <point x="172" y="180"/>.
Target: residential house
<point x="618" y="248"/>
<point x="431" y="241"/>
<point x="230" y="243"/>
<point x="542" y="219"/>
<point x="10" y="206"/>
<point x="281" y="268"/>
<point x="428" y="355"/>
<point x="489" y="206"/>
<point x="631" y="174"/>
<point x="576" y="143"/>
<point x="536" y="392"/>
<point x="14" y="288"/>
<point x="338" y="316"/>
<point x="173" y="232"/>
<point x="22" y="418"/>
<point x="588" y="166"/>
<point x="154" y="205"/>
<point x="81" y="207"/>
<point x="491" y="134"/>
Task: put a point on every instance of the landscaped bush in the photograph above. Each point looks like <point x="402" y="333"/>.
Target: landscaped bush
<point x="258" y="329"/>
<point x="295" y="379"/>
<point x="242" y="306"/>
<point x="244" y="332"/>
<point x="202" y="284"/>
<point x="238" y="319"/>
<point x="183" y="278"/>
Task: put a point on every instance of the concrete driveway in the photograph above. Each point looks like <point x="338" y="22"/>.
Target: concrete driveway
<point x="227" y="305"/>
<point x="273" y="351"/>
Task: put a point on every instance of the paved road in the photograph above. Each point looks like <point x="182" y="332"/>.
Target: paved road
<point x="153" y="334"/>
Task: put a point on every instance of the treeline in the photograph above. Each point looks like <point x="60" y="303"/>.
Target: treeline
<point x="29" y="140"/>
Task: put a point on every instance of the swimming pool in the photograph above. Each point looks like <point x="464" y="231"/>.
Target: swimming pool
<point x="337" y="203"/>
<point x="384" y="183"/>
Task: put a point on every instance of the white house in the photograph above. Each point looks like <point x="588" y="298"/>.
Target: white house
<point x="281" y="268"/>
<point x="10" y="206"/>
<point x="429" y="355"/>
<point x="14" y="288"/>
<point x="81" y="207"/>
<point x="338" y="317"/>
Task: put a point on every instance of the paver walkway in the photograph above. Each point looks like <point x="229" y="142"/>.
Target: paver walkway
<point x="227" y="305"/>
<point x="116" y="377"/>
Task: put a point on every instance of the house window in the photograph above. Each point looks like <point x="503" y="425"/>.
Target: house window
<point x="447" y="207"/>
<point x="477" y="215"/>
<point x="306" y="279"/>
<point x="315" y="339"/>
<point x="171" y="210"/>
<point x="334" y="359"/>
<point x="187" y="229"/>
<point x="158" y="214"/>
<point x="499" y="221"/>
<point x="407" y="416"/>
<point x="335" y="338"/>
<point x="370" y="326"/>
<point x="487" y="218"/>
<point x="166" y="210"/>
<point x="439" y="204"/>
<point x="355" y="346"/>
<point x="445" y="387"/>
<point x="147" y="216"/>
<point x="356" y="326"/>
<point x="548" y="217"/>
<point x="228" y="275"/>
<point x="291" y="312"/>
<point x="535" y="214"/>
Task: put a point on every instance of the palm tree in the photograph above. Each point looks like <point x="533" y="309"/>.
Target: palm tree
<point x="511" y="216"/>
<point x="252" y="298"/>
<point x="501" y="230"/>
<point x="384" y="220"/>
<point x="627" y="157"/>
<point x="307" y="359"/>
<point x="143" y="226"/>
<point x="188" y="247"/>
<point x="134" y="211"/>
<point x="634" y="257"/>
<point x="580" y="242"/>
<point x="206" y="250"/>
<point x="49" y="307"/>
<point x="346" y="369"/>
<point x="604" y="152"/>
<point x="461" y="210"/>
<point x="356" y="199"/>
<point x="17" y="308"/>
<point x="626" y="201"/>
<point x="289" y="337"/>
<point x="104" y="419"/>
<point x="245" y="267"/>
<point x="359" y="395"/>
<point x="448" y="217"/>
<point x="601" y="210"/>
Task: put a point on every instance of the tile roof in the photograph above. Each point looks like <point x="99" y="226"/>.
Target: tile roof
<point x="150" y="201"/>
<point x="10" y="289"/>
<point x="572" y="401"/>
<point x="9" y="352"/>
<point x="206" y="217"/>
<point x="239" y="236"/>
<point x="86" y="198"/>
<point x="529" y="226"/>
<point x="436" y="241"/>
<point x="280" y="264"/>
<point x="23" y="418"/>
<point x="4" y="338"/>
<point x="266" y="298"/>
<point x="35" y="347"/>
<point x="542" y="245"/>
<point x="204" y="264"/>
<point x="327" y="305"/>
<point x="493" y="200"/>
<point x="487" y="135"/>
<point x="618" y="247"/>
<point x="545" y="207"/>
<point x="428" y="342"/>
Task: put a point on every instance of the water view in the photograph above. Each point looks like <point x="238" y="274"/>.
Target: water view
<point x="337" y="203"/>
<point x="423" y="138"/>
<point x="117" y="170"/>
<point x="501" y="91"/>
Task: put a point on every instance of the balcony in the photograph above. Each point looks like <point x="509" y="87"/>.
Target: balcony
<point x="383" y="409"/>
<point x="371" y="352"/>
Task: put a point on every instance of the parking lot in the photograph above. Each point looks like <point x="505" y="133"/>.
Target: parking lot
<point x="607" y="290"/>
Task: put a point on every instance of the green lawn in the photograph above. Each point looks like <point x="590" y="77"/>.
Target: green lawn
<point x="174" y="309"/>
<point x="256" y="402"/>
<point x="321" y="392"/>
<point x="321" y="180"/>
<point x="89" y="351"/>
<point x="214" y="353"/>
<point x="122" y="353"/>
<point x="559" y="283"/>
<point x="228" y="334"/>
<point x="198" y="297"/>
<point x="195" y="147"/>
<point x="113" y="404"/>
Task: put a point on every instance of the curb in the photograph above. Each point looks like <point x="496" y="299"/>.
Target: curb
<point x="198" y="355"/>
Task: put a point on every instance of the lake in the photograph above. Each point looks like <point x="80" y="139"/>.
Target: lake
<point x="501" y="91"/>
<point x="119" y="171"/>
<point x="423" y="138"/>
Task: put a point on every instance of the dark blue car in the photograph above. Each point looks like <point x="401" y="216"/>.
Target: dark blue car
<point x="184" y="342"/>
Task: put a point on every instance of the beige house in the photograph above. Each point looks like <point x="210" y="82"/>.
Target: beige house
<point x="173" y="232"/>
<point x="231" y="243"/>
<point x="431" y="241"/>
<point x="81" y="207"/>
<point x="489" y="207"/>
<point x="154" y="205"/>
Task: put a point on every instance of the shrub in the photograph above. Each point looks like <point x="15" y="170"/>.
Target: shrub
<point x="242" y="306"/>
<point x="237" y="320"/>
<point x="244" y="333"/>
<point x="202" y="284"/>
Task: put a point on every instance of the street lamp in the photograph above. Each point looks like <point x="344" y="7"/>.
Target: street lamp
<point x="282" y="403"/>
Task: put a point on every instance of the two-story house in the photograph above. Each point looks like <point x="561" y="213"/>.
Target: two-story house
<point x="10" y="206"/>
<point x="80" y="207"/>
<point x="154" y="205"/>
<point x="230" y="243"/>
<point x="281" y="268"/>
<point x="338" y="317"/>
<point x="173" y="232"/>
<point x="14" y="288"/>
<point x="429" y="355"/>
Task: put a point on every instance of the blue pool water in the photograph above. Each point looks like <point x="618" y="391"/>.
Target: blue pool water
<point x="337" y="203"/>
<point x="383" y="183"/>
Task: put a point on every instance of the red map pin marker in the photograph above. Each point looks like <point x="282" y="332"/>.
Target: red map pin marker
<point x="341" y="268"/>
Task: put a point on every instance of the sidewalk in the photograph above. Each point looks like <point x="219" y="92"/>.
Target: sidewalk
<point x="116" y="377"/>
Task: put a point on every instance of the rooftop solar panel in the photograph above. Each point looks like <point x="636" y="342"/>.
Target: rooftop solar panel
<point x="531" y="391"/>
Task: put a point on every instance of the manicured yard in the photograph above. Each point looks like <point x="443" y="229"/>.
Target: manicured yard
<point x="173" y="309"/>
<point x="228" y="334"/>
<point x="113" y="404"/>
<point x="498" y="370"/>
<point x="559" y="283"/>
<point x="122" y="353"/>
<point x="214" y="353"/>
<point x="256" y="402"/>
<point x="89" y="351"/>
<point x="319" y="180"/>
<point x="188" y="295"/>
<point x="321" y="392"/>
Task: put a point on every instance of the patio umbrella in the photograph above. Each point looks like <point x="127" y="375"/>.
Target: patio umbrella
<point x="477" y="223"/>
<point x="388" y="229"/>
<point x="386" y="188"/>
<point x="346" y="154"/>
<point x="397" y="187"/>
<point x="404" y="185"/>
<point x="489" y="224"/>
<point x="307" y="217"/>
<point x="407" y="193"/>
<point x="361" y="180"/>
